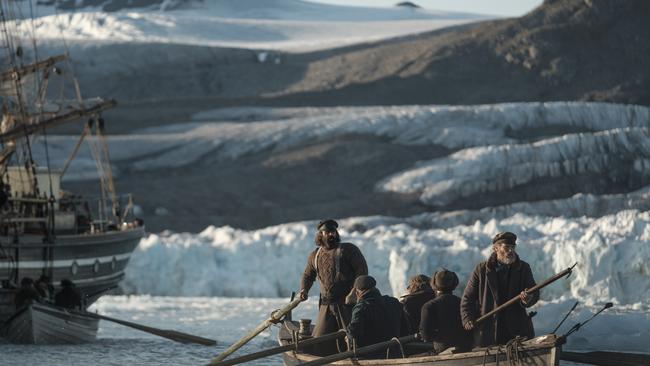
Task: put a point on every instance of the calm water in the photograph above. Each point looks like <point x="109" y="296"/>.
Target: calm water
<point x="223" y="319"/>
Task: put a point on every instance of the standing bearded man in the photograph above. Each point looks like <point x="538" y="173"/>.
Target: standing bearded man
<point x="493" y="282"/>
<point x="336" y="265"/>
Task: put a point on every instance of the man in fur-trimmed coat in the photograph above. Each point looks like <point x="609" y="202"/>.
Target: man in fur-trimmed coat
<point x="336" y="265"/>
<point x="502" y="277"/>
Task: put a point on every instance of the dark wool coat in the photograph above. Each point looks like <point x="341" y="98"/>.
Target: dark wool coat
<point x="441" y="324"/>
<point x="337" y="269"/>
<point x="375" y="318"/>
<point x="69" y="298"/>
<point x="413" y="307"/>
<point x="482" y="295"/>
<point x="25" y="296"/>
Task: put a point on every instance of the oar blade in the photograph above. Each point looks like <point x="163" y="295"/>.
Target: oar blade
<point x="165" y="333"/>
<point x="188" y="338"/>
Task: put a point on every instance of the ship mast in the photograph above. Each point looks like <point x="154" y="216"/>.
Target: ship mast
<point x="27" y="112"/>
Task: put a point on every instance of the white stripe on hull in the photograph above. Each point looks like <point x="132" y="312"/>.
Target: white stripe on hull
<point x="64" y="263"/>
<point x="100" y="278"/>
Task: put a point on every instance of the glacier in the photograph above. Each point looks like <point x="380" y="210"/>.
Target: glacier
<point x="484" y="170"/>
<point x="611" y="251"/>
<point x="477" y="134"/>
<point x="288" y="25"/>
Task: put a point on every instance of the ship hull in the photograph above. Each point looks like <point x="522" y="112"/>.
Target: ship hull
<point x="95" y="263"/>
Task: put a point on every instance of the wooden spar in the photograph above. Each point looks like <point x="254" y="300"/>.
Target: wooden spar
<point x="274" y="318"/>
<point x="25" y="130"/>
<point x="280" y="349"/>
<point x="169" y="334"/>
<point x="532" y="289"/>
<point x="361" y="351"/>
<point x="19" y="72"/>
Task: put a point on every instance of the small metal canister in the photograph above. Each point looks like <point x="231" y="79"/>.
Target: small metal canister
<point x="305" y="327"/>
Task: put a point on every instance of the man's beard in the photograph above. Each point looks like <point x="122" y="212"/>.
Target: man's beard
<point x="328" y="241"/>
<point x="505" y="259"/>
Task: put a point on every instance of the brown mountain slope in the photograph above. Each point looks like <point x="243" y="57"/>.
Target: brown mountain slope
<point x="563" y="50"/>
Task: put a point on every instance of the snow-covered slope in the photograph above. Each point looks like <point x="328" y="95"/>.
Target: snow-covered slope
<point x="276" y="24"/>
<point x="611" y="251"/>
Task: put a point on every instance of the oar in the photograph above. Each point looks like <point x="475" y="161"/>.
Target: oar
<point x="565" y="317"/>
<point x="515" y="299"/>
<point x="169" y="334"/>
<point x="577" y="327"/>
<point x="275" y="317"/>
<point x="361" y="351"/>
<point x="276" y="350"/>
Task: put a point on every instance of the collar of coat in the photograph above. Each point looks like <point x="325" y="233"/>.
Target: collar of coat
<point x="492" y="263"/>
<point x="372" y="293"/>
<point x="427" y="291"/>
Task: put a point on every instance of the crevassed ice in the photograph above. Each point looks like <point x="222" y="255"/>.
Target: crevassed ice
<point x="498" y="168"/>
<point x="611" y="251"/>
<point x="484" y="131"/>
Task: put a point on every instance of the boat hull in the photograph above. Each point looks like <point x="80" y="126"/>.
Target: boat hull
<point x="95" y="263"/>
<point x="47" y="324"/>
<point x="541" y="351"/>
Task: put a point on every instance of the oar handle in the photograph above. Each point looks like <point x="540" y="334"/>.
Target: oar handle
<point x="515" y="299"/>
<point x="275" y="317"/>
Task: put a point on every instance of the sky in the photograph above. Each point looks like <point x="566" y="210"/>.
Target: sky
<point x="494" y="7"/>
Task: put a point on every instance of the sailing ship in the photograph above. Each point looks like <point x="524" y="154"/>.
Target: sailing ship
<point x="45" y="230"/>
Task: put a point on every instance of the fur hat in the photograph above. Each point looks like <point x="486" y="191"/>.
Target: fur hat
<point x="505" y="237"/>
<point x="364" y="282"/>
<point x="444" y="280"/>
<point x="328" y="225"/>
<point x="418" y="283"/>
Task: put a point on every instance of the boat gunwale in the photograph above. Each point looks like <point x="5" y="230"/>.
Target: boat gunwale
<point x="550" y="344"/>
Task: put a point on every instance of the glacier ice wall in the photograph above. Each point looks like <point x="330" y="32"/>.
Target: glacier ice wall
<point x="612" y="252"/>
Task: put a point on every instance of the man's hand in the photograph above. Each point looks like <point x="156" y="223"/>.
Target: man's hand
<point x="302" y="295"/>
<point x="525" y="297"/>
<point x="351" y="298"/>
<point x="469" y="325"/>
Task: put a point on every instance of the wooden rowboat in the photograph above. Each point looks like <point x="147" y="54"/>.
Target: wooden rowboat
<point x="40" y="323"/>
<point x="541" y="351"/>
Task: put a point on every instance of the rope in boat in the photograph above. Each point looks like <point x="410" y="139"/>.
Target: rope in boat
<point x="401" y="347"/>
<point x="512" y="352"/>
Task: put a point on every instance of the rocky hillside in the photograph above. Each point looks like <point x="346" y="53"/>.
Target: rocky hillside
<point x="563" y="50"/>
<point x="591" y="50"/>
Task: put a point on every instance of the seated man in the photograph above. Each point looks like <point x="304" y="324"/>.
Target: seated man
<point x="419" y="292"/>
<point x="69" y="296"/>
<point x="26" y="294"/>
<point x="44" y="287"/>
<point x="440" y="319"/>
<point x="375" y="318"/>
